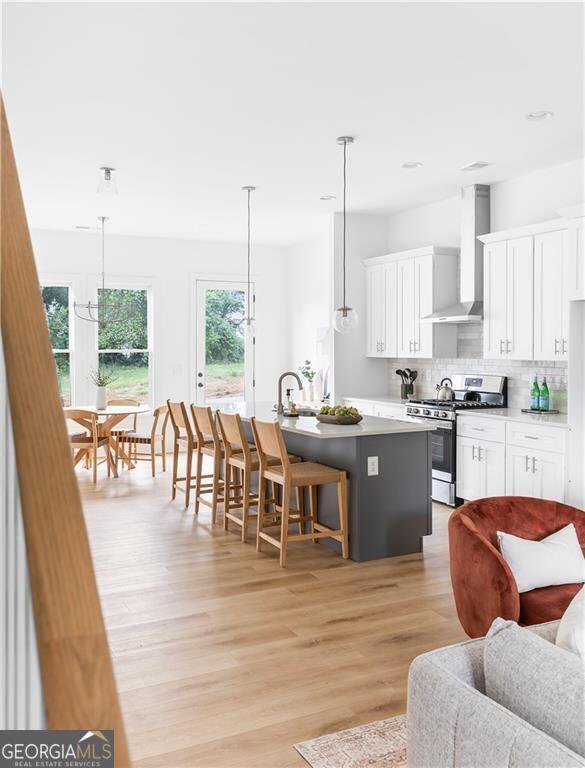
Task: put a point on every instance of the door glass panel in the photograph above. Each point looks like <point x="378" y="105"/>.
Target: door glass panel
<point x="225" y="312"/>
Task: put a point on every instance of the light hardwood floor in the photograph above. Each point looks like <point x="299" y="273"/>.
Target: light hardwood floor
<point x="223" y="659"/>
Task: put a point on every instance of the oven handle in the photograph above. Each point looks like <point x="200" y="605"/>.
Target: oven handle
<point x="440" y="423"/>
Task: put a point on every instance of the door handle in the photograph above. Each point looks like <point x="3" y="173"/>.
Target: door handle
<point x="564" y="347"/>
<point x="501" y="345"/>
<point x="531" y="437"/>
<point x="479" y="452"/>
<point x="473" y="453"/>
<point x="533" y="465"/>
<point x="478" y="429"/>
<point x="200" y="375"/>
<point x="410" y="346"/>
<point x="556" y="346"/>
<point x="200" y="384"/>
<point x="508" y="345"/>
<point x="527" y="465"/>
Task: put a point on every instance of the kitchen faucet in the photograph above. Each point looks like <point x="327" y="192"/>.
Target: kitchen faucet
<point x="280" y="407"/>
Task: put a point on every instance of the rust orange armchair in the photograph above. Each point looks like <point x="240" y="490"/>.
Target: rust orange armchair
<point x="483" y="584"/>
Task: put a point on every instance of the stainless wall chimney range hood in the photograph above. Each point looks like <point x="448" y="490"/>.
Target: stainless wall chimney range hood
<point x="475" y="220"/>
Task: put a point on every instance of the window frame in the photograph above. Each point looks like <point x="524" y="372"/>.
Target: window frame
<point x="55" y="282"/>
<point x="131" y="284"/>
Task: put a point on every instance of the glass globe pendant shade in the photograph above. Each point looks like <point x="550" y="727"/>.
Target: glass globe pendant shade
<point x="345" y="319"/>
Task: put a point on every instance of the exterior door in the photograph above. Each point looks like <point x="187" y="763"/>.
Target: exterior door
<point x="224" y="372"/>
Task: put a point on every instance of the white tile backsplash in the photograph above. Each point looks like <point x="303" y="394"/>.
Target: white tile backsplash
<point x="520" y="373"/>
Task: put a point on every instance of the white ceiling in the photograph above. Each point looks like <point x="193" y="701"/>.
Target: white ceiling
<point x="192" y="101"/>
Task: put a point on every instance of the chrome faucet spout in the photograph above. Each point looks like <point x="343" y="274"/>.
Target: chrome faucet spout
<point x="280" y="407"/>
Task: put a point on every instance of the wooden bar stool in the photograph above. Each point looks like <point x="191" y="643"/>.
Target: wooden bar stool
<point x="270" y="442"/>
<point x="208" y="444"/>
<point x="183" y="437"/>
<point x="241" y="460"/>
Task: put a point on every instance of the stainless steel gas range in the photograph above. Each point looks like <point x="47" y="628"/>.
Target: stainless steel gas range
<point x="471" y="392"/>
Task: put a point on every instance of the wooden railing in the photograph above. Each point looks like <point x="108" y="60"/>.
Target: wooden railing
<point x="76" y="670"/>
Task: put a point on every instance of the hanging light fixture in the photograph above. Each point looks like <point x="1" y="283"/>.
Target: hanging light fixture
<point x="345" y="319"/>
<point x="104" y="312"/>
<point x="107" y="185"/>
<point x="250" y="302"/>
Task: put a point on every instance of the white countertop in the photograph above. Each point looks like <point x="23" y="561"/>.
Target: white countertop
<point x="515" y="414"/>
<point x="377" y="399"/>
<point x="308" y="425"/>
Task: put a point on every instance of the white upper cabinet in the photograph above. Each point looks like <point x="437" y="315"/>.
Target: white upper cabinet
<point x="527" y="288"/>
<point x="575" y="251"/>
<point x="508" y="299"/>
<point x="551" y="304"/>
<point x="416" y="283"/>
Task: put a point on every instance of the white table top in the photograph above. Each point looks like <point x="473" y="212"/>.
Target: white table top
<point x="110" y="410"/>
<point x="308" y="425"/>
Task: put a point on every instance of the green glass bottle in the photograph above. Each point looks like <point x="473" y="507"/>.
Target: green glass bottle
<point x="544" y="396"/>
<point x="535" y="395"/>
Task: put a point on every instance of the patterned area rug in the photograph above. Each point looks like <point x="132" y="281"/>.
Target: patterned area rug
<point x="377" y="745"/>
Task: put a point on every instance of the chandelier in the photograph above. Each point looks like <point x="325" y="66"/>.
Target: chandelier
<point x="104" y="312"/>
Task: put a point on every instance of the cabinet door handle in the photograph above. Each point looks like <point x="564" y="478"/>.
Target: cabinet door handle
<point x="478" y="429"/>
<point x="410" y="345"/>
<point x="531" y="437"/>
<point x="479" y="452"/>
<point x="508" y="345"/>
<point x="564" y="347"/>
<point x="473" y="453"/>
<point x="527" y="465"/>
<point x="501" y="345"/>
<point x="533" y="465"/>
<point x="556" y="346"/>
<point x="382" y="345"/>
<point x="414" y="343"/>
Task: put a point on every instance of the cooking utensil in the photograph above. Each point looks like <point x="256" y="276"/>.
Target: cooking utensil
<point x="413" y="377"/>
<point x="445" y="391"/>
<point x="400" y="372"/>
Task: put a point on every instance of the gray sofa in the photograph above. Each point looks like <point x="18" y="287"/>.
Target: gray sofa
<point x="453" y="724"/>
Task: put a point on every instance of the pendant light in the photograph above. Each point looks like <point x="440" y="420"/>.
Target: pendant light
<point x="250" y="301"/>
<point x="107" y="185"/>
<point x="104" y="312"/>
<point x="345" y="319"/>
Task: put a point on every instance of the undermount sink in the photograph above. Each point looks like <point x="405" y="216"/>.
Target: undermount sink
<point x="302" y="412"/>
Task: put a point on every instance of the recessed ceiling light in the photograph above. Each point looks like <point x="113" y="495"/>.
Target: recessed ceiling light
<point x="540" y="114"/>
<point x="327" y="197"/>
<point x="412" y="164"/>
<point x="477" y="165"/>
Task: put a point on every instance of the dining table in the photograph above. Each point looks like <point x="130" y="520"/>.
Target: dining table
<point x="108" y="419"/>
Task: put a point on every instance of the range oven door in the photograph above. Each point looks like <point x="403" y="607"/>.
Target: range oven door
<point x="443" y="460"/>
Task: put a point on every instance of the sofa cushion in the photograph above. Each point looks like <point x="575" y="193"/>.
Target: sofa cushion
<point x="546" y="603"/>
<point x="555" y="559"/>
<point x="571" y="634"/>
<point x="539" y="682"/>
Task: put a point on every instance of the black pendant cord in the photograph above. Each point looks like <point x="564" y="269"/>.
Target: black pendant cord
<point x="344" y="212"/>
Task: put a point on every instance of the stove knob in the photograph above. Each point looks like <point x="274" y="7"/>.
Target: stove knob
<point x="426" y="412"/>
<point x="444" y="414"/>
<point x="435" y="413"/>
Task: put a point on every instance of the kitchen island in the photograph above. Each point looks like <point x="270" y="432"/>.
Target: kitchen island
<point x="388" y="463"/>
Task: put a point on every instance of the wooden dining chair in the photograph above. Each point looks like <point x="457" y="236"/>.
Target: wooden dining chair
<point x="241" y="461"/>
<point x="152" y="439"/>
<point x="208" y="444"/>
<point x="85" y="445"/>
<point x="183" y="437"/>
<point x="130" y="422"/>
<point x="308" y="474"/>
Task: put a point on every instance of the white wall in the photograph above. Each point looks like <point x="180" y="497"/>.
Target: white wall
<point x="352" y="372"/>
<point x="309" y="302"/>
<point x="170" y="265"/>
<point x="433" y="224"/>
<point x="537" y="196"/>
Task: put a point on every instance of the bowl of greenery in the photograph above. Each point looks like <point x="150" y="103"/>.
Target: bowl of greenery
<point x="339" y="414"/>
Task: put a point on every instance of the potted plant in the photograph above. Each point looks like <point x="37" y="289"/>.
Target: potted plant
<point x="308" y="374"/>
<point x="101" y="378"/>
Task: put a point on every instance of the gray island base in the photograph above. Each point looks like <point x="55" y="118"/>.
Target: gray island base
<point x="390" y="512"/>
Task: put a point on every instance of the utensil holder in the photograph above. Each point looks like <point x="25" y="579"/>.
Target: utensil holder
<point x="406" y="390"/>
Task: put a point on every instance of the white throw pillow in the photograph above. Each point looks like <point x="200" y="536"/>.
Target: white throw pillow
<point x="557" y="559"/>
<point x="571" y="632"/>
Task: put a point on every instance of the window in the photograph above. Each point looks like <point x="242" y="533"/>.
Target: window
<point x="58" y="313"/>
<point x="123" y="346"/>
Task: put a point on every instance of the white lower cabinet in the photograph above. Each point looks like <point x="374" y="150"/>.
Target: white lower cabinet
<point x="481" y="468"/>
<point x="540" y="474"/>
